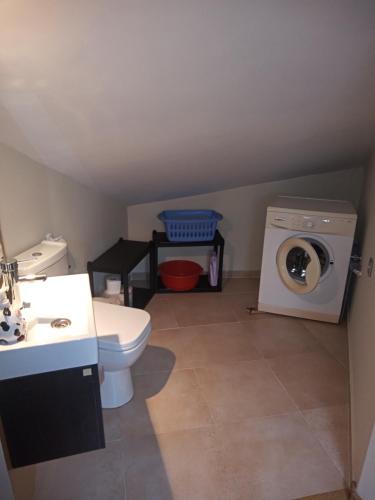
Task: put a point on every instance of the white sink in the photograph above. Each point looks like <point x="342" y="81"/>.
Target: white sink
<point x="47" y="348"/>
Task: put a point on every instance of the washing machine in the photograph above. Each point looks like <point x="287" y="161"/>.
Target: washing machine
<point x="306" y="256"/>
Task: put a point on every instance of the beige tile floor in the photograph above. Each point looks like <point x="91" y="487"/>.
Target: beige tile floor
<point x="227" y="406"/>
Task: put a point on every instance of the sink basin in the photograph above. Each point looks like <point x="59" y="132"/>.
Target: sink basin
<point x="47" y="347"/>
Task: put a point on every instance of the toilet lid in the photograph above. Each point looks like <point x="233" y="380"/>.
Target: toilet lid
<point x="120" y="328"/>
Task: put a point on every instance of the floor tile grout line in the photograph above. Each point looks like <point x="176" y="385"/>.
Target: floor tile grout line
<point x="209" y="324"/>
<point x="321" y="444"/>
<point x="163" y="371"/>
<point x="199" y="385"/>
<point x="346" y="367"/>
<point x="300" y="411"/>
<point x="296" y="411"/>
<point x="323" y="447"/>
<point x="170" y="305"/>
<point x="202" y="367"/>
<point x="222" y="424"/>
<point x="167" y="433"/>
<point x="256" y="417"/>
<point x="237" y="320"/>
<point x="330" y="353"/>
<point x="268" y="361"/>
<point x="195" y="326"/>
<point x="268" y="364"/>
<point x="318" y="341"/>
<point x="213" y="425"/>
<point x="310" y="351"/>
<point x="298" y="353"/>
<point x="259" y="351"/>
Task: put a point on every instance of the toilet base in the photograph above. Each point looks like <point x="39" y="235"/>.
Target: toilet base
<point x="117" y="388"/>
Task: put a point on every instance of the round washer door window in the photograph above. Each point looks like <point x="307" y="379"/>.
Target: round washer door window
<point x="299" y="265"/>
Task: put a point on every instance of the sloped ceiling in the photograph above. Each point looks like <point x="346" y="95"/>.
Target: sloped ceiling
<point x="151" y="99"/>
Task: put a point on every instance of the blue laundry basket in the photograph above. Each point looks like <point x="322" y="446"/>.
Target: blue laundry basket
<point x="190" y="225"/>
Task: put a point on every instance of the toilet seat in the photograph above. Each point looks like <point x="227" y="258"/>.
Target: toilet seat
<point x="120" y="328"/>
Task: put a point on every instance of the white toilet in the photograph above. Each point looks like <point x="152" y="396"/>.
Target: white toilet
<point x="123" y="332"/>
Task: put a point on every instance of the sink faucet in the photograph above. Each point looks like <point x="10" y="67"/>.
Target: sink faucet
<point x="9" y="270"/>
<point x="12" y="322"/>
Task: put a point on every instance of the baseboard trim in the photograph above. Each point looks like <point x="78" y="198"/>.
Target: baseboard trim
<point x="241" y="274"/>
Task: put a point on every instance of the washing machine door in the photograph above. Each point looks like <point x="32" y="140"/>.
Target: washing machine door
<point x="300" y="264"/>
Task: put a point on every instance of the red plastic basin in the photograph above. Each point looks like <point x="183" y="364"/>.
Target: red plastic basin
<point x="180" y="275"/>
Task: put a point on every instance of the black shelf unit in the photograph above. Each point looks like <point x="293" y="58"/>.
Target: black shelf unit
<point x="121" y="259"/>
<point x="159" y="240"/>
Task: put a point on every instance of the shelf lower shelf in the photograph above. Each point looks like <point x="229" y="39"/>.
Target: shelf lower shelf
<point x="202" y="286"/>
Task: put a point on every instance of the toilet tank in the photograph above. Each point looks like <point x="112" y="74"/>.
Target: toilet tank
<point x="48" y="257"/>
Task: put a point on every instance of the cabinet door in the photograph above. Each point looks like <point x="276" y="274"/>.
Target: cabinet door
<point x="51" y="415"/>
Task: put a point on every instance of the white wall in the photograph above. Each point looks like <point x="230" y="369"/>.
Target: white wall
<point x="244" y="211"/>
<point x="35" y="200"/>
<point x="362" y="336"/>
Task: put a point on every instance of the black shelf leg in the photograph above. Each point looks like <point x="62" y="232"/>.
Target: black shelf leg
<point x="125" y="282"/>
<point x="221" y="258"/>
<point x="154" y="267"/>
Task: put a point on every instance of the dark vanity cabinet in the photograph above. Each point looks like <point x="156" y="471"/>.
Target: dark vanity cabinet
<point x="51" y="415"/>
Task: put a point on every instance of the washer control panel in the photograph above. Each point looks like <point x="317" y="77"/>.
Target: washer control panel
<point x="315" y="223"/>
